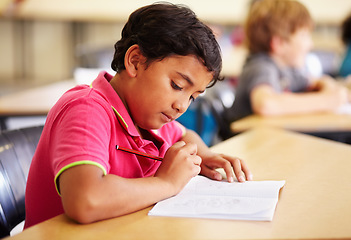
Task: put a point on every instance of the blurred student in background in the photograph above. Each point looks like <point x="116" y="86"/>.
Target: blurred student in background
<point x="278" y="37"/>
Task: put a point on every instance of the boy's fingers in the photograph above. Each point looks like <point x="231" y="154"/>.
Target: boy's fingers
<point x="197" y="160"/>
<point x="197" y="170"/>
<point x="246" y="171"/>
<point x="189" y="147"/>
<point x="210" y="173"/>
<point x="237" y="167"/>
<point x="192" y="148"/>
<point x="179" y="144"/>
<point x="240" y="167"/>
<point x="228" y="172"/>
<point x="244" y="168"/>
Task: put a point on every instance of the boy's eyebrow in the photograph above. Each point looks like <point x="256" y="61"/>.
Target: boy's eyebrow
<point x="187" y="78"/>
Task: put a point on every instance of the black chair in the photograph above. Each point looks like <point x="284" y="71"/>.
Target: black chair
<point x="17" y="148"/>
<point x="221" y="98"/>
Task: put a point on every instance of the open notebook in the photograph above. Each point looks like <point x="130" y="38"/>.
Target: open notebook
<point x="205" y="198"/>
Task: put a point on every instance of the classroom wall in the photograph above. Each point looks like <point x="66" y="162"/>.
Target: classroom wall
<point x="8" y="45"/>
<point x="41" y="42"/>
<point x="37" y="51"/>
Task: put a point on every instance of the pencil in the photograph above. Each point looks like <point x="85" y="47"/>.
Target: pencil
<point x="132" y="151"/>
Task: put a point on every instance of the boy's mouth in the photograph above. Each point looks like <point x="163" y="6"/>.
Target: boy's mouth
<point x="167" y="118"/>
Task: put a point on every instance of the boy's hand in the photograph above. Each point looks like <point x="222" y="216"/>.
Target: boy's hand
<point x="337" y="93"/>
<point x="229" y="164"/>
<point x="179" y="165"/>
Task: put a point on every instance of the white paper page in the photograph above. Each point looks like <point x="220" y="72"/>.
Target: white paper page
<point x="205" y="198"/>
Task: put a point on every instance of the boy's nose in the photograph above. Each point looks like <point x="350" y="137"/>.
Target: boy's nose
<point x="181" y="105"/>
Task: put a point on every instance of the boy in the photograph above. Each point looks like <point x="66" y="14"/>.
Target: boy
<point x="164" y="60"/>
<point x="278" y="35"/>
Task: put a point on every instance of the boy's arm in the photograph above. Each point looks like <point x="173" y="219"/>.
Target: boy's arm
<point x="326" y="95"/>
<point x="211" y="161"/>
<point x="88" y="195"/>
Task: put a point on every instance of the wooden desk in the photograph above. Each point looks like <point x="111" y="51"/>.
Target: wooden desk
<point x="314" y="203"/>
<point x="331" y="125"/>
<point x="33" y="101"/>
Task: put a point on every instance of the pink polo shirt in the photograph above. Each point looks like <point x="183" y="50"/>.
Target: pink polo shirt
<point x="84" y="127"/>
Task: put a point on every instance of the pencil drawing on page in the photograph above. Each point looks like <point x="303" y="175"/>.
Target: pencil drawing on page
<point x="205" y="198"/>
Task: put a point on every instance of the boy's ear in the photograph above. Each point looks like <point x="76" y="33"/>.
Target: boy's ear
<point x="133" y="59"/>
<point x="277" y="44"/>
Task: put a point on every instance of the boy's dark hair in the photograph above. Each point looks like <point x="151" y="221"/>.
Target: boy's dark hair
<point x="164" y="29"/>
<point x="346" y="30"/>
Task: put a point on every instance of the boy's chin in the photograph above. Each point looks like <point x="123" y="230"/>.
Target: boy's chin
<point x="155" y="126"/>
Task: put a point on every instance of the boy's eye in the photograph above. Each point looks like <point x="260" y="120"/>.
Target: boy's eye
<point x="175" y="86"/>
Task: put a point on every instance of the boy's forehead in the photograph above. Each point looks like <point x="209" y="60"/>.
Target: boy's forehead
<point x="188" y="59"/>
<point x="199" y="70"/>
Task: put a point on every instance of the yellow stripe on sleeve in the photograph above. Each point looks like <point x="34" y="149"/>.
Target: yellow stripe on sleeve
<point x="73" y="165"/>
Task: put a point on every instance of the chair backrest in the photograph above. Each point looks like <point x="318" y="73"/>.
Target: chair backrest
<point x="17" y="148"/>
<point x="200" y="118"/>
<point x="221" y="98"/>
<point x="208" y="114"/>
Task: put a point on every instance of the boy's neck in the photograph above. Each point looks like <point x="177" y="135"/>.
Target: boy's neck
<point x="118" y="85"/>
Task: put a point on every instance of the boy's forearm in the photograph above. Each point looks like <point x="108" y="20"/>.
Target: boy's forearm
<point x="266" y="102"/>
<point x="299" y="103"/>
<point x="108" y="196"/>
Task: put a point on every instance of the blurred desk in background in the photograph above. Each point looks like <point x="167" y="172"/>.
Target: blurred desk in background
<point x="32" y="102"/>
<point x="335" y="126"/>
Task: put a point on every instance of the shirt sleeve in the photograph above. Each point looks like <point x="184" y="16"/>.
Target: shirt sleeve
<point x="80" y="135"/>
<point x="260" y="71"/>
<point x="299" y="82"/>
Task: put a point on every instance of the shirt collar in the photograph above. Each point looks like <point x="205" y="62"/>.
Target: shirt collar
<point x="101" y="84"/>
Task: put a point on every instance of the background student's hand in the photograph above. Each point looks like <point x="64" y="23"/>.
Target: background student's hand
<point x="347" y="83"/>
<point x="179" y="165"/>
<point x="338" y="94"/>
<point x="229" y="164"/>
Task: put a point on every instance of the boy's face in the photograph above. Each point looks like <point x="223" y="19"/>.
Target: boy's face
<point x="295" y="49"/>
<point x="164" y="90"/>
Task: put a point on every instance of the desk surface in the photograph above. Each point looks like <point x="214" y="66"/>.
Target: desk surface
<point x="314" y="203"/>
<point x="316" y="122"/>
<point x="33" y="101"/>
